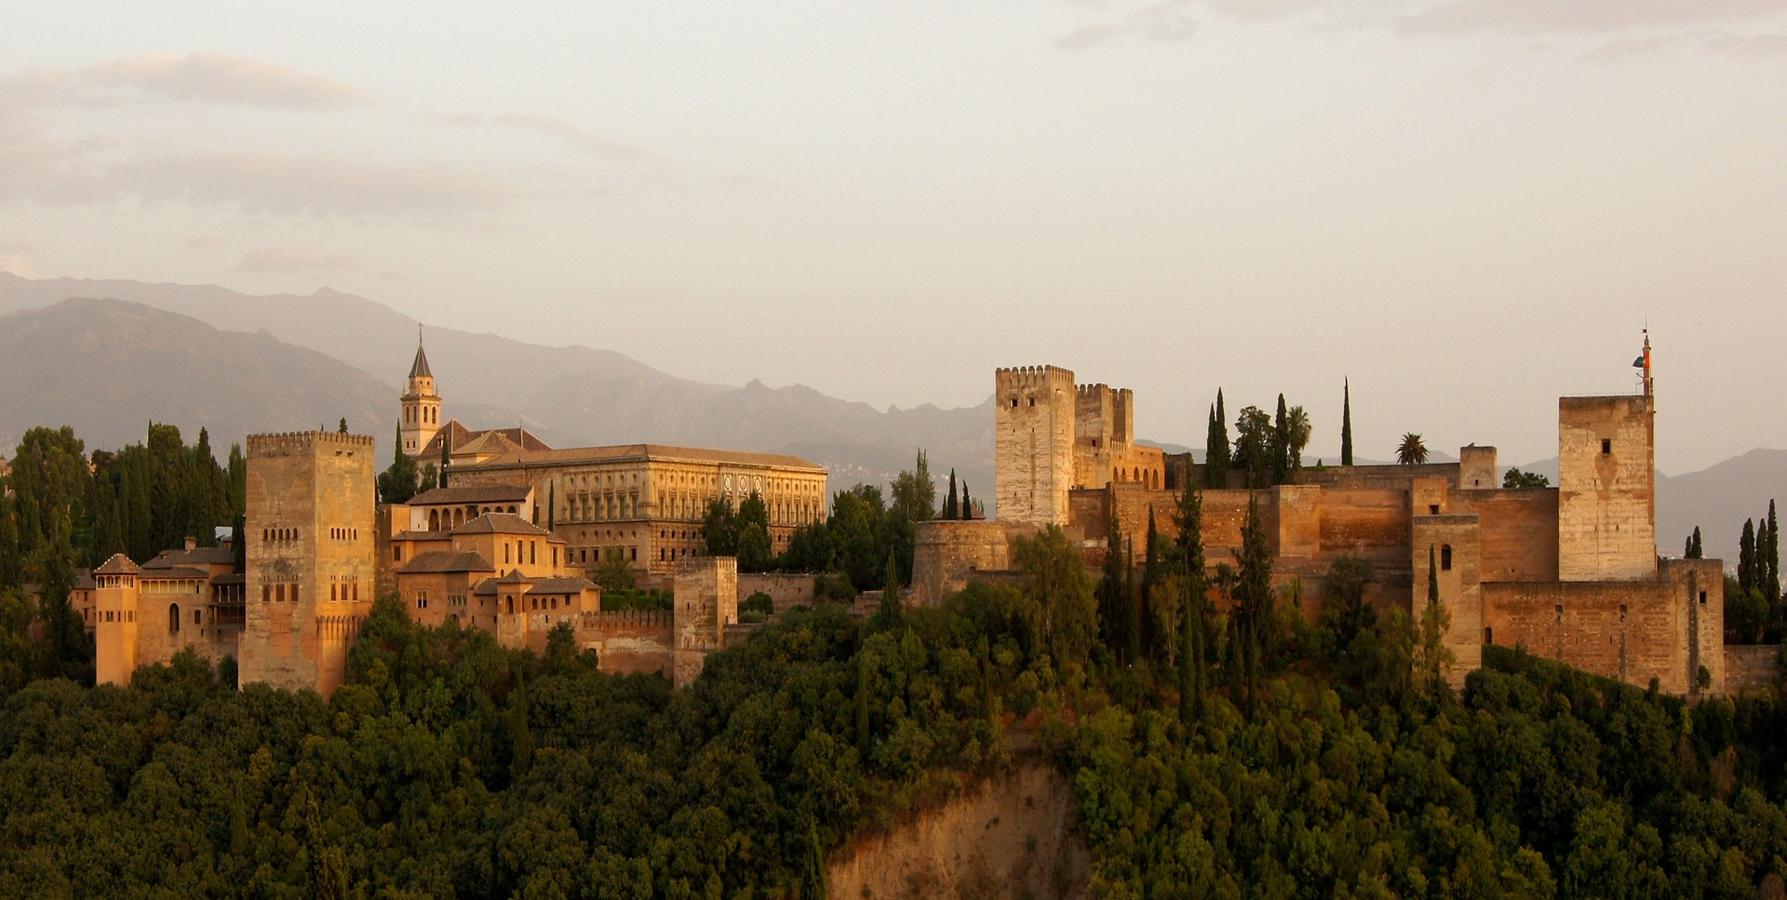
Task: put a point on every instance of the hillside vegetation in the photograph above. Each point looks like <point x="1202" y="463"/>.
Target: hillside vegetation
<point x="1328" y="765"/>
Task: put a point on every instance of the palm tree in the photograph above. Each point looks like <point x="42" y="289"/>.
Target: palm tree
<point x="1411" y="452"/>
<point x="1299" y="436"/>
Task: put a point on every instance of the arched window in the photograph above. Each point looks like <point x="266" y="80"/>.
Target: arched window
<point x="511" y="599"/>
<point x="173" y="618"/>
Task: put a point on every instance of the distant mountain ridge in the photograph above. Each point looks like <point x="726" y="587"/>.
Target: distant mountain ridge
<point x="568" y="395"/>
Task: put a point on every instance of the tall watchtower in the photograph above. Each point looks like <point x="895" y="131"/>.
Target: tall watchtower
<point x="310" y="556"/>
<point x="1033" y="435"/>
<point x="421" y="405"/>
<point x="115" y="607"/>
<point x="1607" y="485"/>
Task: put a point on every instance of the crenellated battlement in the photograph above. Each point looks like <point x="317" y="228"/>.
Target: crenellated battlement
<point x="1032" y="378"/>
<point x="609" y="618"/>
<point x="290" y="441"/>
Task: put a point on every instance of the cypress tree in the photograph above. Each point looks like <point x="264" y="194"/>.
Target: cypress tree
<point x="967" y="504"/>
<point x="1346" y="423"/>
<point x="1151" y="576"/>
<point x="1189" y="519"/>
<point x="341" y="427"/>
<point x="446" y="451"/>
<point x="1771" y="580"/>
<point x="888" y="615"/>
<point x="1217" y="449"/>
<point x="951" y="509"/>
<point x="1132" y="608"/>
<point x="1746" y="556"/>
<point x="1110" y="590"/>
<point x="551" y="506"/>
<point x="1281" y="443"/>
<point x="862" y="705"/>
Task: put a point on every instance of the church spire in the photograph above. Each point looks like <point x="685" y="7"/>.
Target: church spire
<point x="419" y="368"/>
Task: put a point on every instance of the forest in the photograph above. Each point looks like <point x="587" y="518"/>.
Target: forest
<point x="1216" y="742"/>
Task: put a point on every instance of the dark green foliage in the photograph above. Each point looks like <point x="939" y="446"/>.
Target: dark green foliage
<point x="398" y="483"/>
<point x="951" y="508"/>
<point x="1346" y="422"/>
<point x="614" y="574"/>
<point x="1254" y="446"/>
<point x="1216" y="446"/>
<point x="719" y="528"/>
<point x="967" y="502"/>
<point x="1411" y="451"/>
<point x="1280" y="443"/>
<point x="889" y="614"/>
<point x="754" y="552"/>
<point x="914" y="494"/>
<point x="756" y="608"/>
<point x="1112" y="619"/>
<point x="1514" y="478"/>
<point x="1252" y="620"/>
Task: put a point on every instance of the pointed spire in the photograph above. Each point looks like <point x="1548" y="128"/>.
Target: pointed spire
<point x="419" y="368"/>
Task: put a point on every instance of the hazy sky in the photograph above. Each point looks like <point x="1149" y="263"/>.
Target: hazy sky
<point x="1468" y="207"/>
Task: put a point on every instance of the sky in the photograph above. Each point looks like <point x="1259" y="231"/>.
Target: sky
<point x="1464" y="207"/>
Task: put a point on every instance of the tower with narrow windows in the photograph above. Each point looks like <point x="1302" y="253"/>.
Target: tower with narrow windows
<point x="421" y="405"/>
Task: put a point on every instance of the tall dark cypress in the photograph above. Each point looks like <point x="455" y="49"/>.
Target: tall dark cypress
<point x="1217" y="462"/>
<point x="1772" y="559"/>
<point x="446" y="452"/>
<point x="950" y="508"/>
<point x="551" y="506"/>
<point x="1192" y="681"/>
<point x="1746" y="556"/>
<point x="967" y="502"/>
<point x="1281" y="443"/>
<point x="1151" y="576"/>
<point x="1132" y="608"/>
<point x="1346" y="422"/>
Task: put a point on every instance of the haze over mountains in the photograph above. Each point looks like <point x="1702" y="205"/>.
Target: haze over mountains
<point x="131" y="352"/>
<point x="568" y="395"/>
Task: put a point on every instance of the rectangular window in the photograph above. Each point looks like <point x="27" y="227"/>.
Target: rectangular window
<point x="1606" y="446"/>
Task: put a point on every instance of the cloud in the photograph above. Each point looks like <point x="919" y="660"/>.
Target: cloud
<point x="1724" y="43"/>
<point x="296" y="259"/>
<point x="559" y="130"/>
<point x="197" y="77"/>
<point x="16" y="258"/>
<point x="256" y="183"/>
<point x="1164" y="22"/>
<point x="1578" y="16"/>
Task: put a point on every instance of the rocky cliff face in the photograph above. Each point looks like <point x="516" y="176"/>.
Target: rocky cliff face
<point x="1009" y="836"/>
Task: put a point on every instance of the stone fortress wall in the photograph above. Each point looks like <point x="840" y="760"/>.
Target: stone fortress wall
<point x="1570" y="572"/>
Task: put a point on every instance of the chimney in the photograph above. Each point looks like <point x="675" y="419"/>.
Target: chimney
<point x="192" y="543"/>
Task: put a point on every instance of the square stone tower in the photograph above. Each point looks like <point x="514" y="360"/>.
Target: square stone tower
<point x="1033" y="443"/>
<point x="1606" y="479"/>
<point x="311" y="556"/>
<point x="706" y="602"/>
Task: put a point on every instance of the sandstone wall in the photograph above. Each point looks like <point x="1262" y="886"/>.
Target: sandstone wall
<point x="947" y="554"/>
<point x="1751" y="667"/>
<point x="628" y="641"/>
<point x="1447" y="547"/>
<point x="706" y="602"/>
<point x="786" y="589"/>
<point x="1033" y="443"/>
<point x="311" y="546"/>
<point x="1519" y="533"/>
<point x="1607" y="509"/>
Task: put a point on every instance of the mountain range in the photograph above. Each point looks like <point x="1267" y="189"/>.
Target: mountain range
<point x="107" y="357"/>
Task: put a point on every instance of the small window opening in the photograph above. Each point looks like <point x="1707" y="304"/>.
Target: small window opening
<point x="1488" y="635"/>
<point x="1702" y="598"/>
<point x="1606" y="446"/>
<point x="1433" y="509"/>
<point x="1446" y="558"/>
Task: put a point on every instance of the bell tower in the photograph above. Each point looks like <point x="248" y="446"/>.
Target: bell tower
<point x="421" y="405"/>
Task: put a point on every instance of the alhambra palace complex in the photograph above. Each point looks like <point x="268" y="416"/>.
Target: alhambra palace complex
<point x="1569" y="572"/>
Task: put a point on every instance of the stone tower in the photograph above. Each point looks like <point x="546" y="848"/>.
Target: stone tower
<point x="310" y="556"/>
<point x="421" y="405"/>
<point x="1033" y="436"/>
<point x="115" y="601"/>
<point x="1607" y="485"/>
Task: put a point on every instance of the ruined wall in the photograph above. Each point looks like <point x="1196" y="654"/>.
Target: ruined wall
<point x="706" y="602"/>
<point x="947" y="554"/>
<point x="1519" y="532"/>
<point x="311" y="545"/>
<point x="785" y="589"/>
<point x="1033" y="443"/>
<point x="1607" y="511"/>
<point x="1751" y="667"/>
